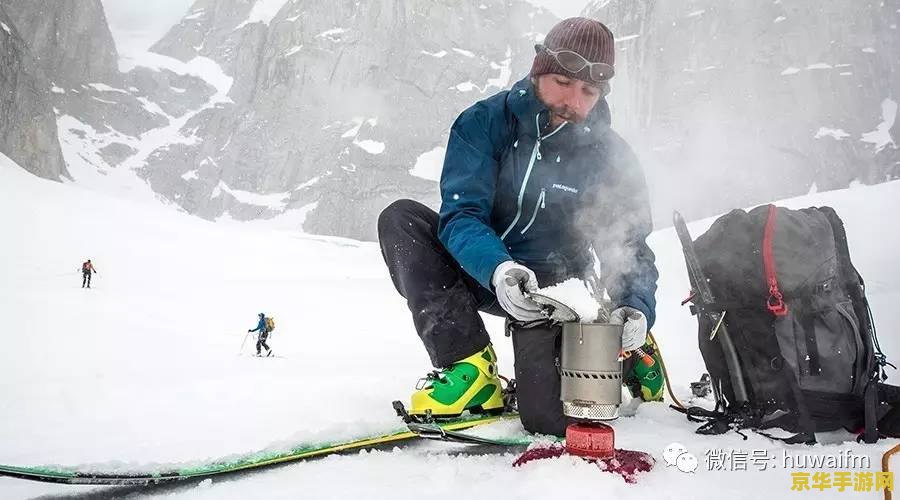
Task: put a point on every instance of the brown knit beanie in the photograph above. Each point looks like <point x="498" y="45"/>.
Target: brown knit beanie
<point x="589" y="38"/>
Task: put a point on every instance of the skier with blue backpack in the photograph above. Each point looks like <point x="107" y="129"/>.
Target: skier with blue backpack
<point x="263" y="328"/>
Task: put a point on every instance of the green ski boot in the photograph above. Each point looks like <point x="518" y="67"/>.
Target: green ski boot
<point x="469" y="384"/>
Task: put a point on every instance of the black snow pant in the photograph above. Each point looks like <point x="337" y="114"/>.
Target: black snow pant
<point x="86" y="279"/>
<point x="445" y="301"/>
<point x="261" y="342"/>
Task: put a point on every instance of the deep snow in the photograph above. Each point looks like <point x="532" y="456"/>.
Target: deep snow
<point x="144" y="367"/>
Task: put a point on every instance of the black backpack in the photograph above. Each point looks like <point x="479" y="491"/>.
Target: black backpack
<point x="785" y="329"/>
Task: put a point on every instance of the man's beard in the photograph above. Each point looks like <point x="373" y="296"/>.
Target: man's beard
<point x="563" y="112"/>
<point x="566" y="113"/>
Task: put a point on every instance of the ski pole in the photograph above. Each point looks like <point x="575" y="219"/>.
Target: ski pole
<point x="242" y="344"/>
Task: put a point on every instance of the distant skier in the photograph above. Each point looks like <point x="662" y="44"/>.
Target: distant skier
<point x="86" y="270"/>
<point x="264" y="327"/>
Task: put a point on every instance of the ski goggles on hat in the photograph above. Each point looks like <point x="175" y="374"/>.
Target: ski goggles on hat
<point x="574" y="62"/>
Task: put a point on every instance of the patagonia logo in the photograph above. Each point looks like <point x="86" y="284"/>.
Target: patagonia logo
<point x="565" y="188"/>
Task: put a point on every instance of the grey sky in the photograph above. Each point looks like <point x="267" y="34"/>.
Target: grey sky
<point x="137" y="24"/>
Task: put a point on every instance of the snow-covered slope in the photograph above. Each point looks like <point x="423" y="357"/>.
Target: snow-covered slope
<point x="144" y="367"/>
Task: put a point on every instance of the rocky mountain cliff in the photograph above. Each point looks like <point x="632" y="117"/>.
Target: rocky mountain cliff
<point x="99" y="116"/>
<point x="736" y="103"/>
<point x="333" y="103"/>
<point x="322" y="113"/>
<point x="70" y="39"/>
<point x="27" y="123"/>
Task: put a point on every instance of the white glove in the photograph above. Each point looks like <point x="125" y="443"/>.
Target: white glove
<point x="635" y="332"/>
<point x="509" y="279"/>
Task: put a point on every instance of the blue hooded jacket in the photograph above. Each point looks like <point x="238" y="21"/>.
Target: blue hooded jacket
<point x="261" y="326"/>
<point x="512" y="189"/>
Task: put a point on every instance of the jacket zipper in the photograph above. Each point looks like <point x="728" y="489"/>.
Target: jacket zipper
<point x="535" y="155"/>
<point x="537" y="206"/>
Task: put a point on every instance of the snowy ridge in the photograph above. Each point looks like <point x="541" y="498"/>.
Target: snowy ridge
<point x="275" y="201"/>
<point x="430" y="164"/>
<point x="172" y="133"/>
<point x="881" y="136"/>
<point x="499" y="83"/>
<point x="81" y="144"/>
<point x="200" y="67"/>
<point x="263" y="11"/>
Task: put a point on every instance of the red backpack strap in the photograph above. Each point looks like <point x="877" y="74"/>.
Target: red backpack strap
<point x="775" y="302"/>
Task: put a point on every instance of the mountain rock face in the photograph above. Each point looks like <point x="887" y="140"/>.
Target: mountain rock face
<point x="325" y="112"/>
<point x="736" y="103"/>
<point x="72" y="42"/>
<point x="95" y="115"/>
<point x="27" y="123"/>
<point x="332" y="103"/>
<point x="70" y="39"/>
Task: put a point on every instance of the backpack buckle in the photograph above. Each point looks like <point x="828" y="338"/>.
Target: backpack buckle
<point x="776" y="304"/>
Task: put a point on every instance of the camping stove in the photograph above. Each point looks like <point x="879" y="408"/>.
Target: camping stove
<point x="591" y="388"/>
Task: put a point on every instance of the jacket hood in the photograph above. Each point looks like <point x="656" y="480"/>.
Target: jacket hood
<point x="524" y="103"/>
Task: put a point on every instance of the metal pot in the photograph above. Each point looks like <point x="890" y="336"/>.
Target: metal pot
<point x="591" y="370"/>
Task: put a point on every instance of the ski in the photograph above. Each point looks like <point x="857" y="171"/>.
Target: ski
<point x="435" y="431"/>
<point x="432" y="428"/>
<point x="253" y="461"/>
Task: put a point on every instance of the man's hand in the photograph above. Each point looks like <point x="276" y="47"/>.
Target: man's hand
<point x="635" y="332"/>
<point x="510" y="279"/>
